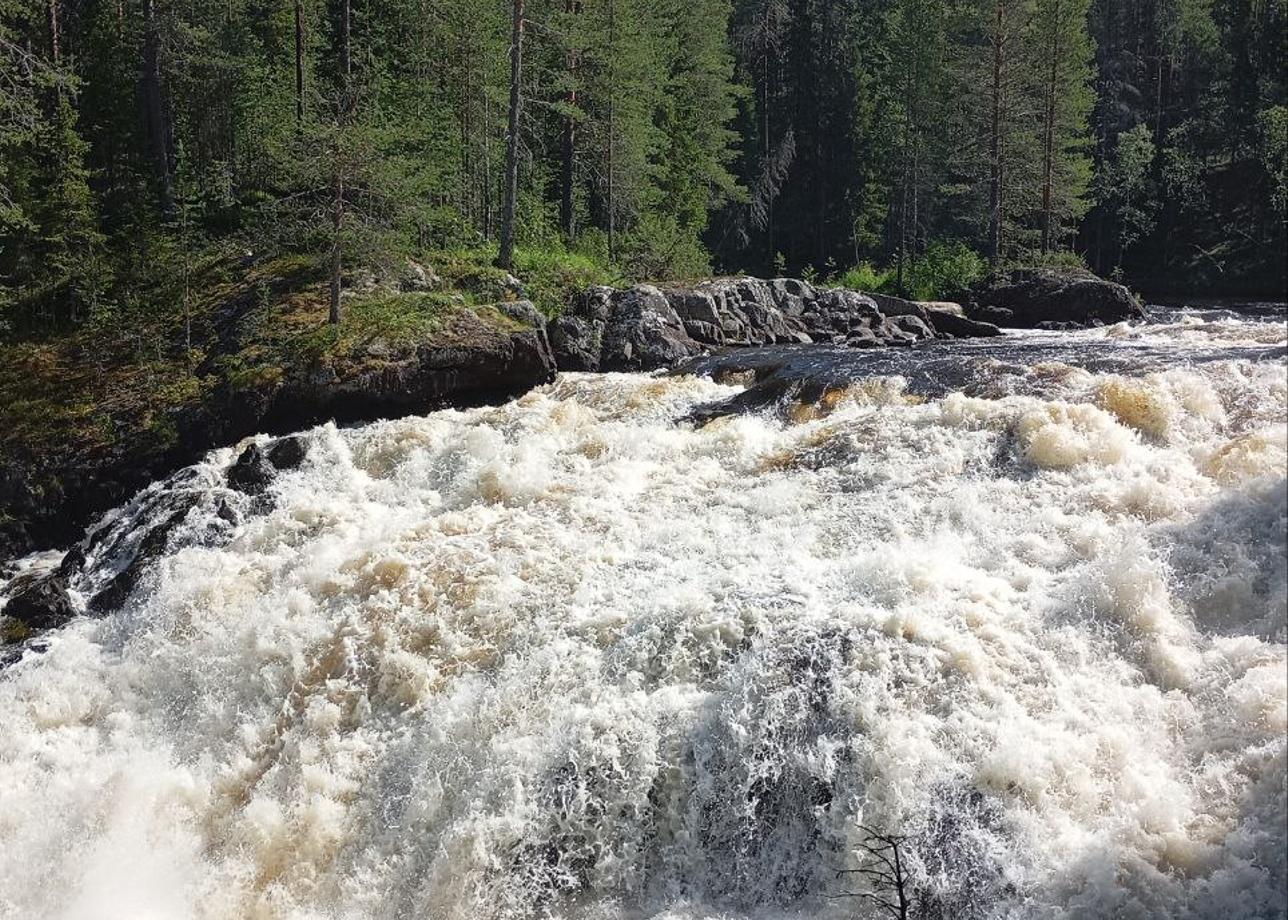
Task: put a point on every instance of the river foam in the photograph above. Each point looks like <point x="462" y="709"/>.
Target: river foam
<point x="571" y="657"/>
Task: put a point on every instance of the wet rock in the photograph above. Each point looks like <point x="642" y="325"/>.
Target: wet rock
<point x="152" y="544"/>
<point x="43" y="603"/>
<point x="952" y="324"/>
<point x="73" y="562"/>
<point x="252" y="472"/>
<point x="914" y="326"/>
<point x="1036" y="296"/>
<point x="287" y="453"/>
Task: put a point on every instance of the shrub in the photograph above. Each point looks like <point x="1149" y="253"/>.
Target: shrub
<point x="552" y="274"/>
<point x="659" y="247"/>
<point x="863" y="277"/>
<point x="945" y="271"/>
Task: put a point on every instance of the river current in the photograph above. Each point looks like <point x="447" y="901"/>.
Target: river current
<point x="616" y="650"/>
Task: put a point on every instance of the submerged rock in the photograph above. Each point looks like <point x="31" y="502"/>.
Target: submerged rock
<point x="255" y="468"/>
<point x="287" y="453"/>
<point x="1046" y="298"/>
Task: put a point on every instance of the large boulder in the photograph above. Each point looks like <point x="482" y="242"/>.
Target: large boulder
<point x="41" y="603"/>
<point x="1030" y="298"/>
<point x="477" y="358"/>
<point x="644" y="332"/>
<point x="954" y="324"/>
<point x="576" y="343"/>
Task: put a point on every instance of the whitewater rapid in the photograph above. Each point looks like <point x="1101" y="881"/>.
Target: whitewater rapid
<point x="577" y="657"/>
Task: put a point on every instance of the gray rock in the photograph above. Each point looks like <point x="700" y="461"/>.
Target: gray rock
<point x="897" y="306"/>
<point x="644" y="332"/>
<point x="287" y="453"/>
<point x="914" y="326"/>
<point x="1035" y="296"/>
<point x="513" y="286"/>
<point x="42" y="603"/>
<point x="252" y="471"/>
<point x="952" y="324"/>
<point x="417" y="278"/>
<point x="523" y="311"/>
<point x="576" y="343"/>
<point x="944" y="306"/>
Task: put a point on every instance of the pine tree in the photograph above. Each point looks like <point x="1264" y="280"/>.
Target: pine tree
<point x="1065" y="59"/>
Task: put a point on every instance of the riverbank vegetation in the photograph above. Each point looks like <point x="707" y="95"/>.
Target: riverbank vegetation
<point x="167" y="165"/>
<point x="142" y="137"/>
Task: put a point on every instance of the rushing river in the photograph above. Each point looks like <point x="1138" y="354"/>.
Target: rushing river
<point x="1022" y="603"/>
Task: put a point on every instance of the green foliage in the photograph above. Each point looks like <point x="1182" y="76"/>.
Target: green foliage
<point x="1272" y="124"/>
<point x="863" y="277"/>
<point x="552" y="275"/>
<point x="1123" y="188"/>
<point x="945" y="271"/>
<point x="1151" y="136"/>
<point x="1063" y="260"/>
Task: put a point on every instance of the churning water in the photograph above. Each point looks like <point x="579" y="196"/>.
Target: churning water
<point x="579" y="656"/>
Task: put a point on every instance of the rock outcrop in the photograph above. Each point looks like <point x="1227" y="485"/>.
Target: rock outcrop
<point x="478" y="356"/>
<point x="647" y="326"/>
<point x="40" y="603"/>
<point x="1048" y="298"/>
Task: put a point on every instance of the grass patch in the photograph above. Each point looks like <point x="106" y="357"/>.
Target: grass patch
<point x="551" y="275"/>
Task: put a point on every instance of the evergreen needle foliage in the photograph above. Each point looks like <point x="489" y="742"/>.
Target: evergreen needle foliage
<point x="655" y="138"/>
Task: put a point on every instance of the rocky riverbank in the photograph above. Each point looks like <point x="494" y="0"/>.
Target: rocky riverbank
<point x="649" y="326"/>
<point x="273" y="372"/>
<point x="51" y="488"/>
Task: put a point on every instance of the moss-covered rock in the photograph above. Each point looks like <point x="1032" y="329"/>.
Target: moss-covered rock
<point x="88" y="418"/>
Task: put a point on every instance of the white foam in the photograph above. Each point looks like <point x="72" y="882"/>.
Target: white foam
<point x="569" y="658"/>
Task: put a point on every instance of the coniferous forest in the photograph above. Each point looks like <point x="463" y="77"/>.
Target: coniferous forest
<point x="909" y="140"/>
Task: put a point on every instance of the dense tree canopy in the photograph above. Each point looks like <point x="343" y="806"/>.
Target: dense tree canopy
<point x="1147" y="137"/>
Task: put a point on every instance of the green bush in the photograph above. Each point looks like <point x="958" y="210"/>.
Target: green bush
<point x="863" y="277"/>
<point x="552" y="274"/>
<point x="660" y="248"/>
<point x="945" y="271"/>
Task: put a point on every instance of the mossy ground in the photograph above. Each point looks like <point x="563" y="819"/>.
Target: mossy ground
<point x="247" y="323"/>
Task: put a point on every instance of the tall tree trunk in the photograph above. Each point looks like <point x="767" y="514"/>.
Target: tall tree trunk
<point x="505" y="258"/>
<point x="337" y="240"/>
<point x="346" y="54"/>
<point x="469" y="190"/>
<point x="611" y="200"/>
<point x="489" y="187"/>
<point x="55" y="38"/>
<point x="154" y="104"/>
<point x="1048" y="140"/>
<point x="567" y="201"/>
<point x="299" y="63"/>
<point x="995" y="138"/>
